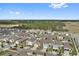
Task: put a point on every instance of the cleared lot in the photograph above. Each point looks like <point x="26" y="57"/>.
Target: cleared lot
<point x="72" y="26"/>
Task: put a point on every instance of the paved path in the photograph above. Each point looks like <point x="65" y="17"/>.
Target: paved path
<point x="73" y="36"/>
<point x="24" y="51"/>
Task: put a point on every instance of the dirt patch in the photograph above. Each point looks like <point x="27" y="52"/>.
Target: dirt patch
<point x="72" y="26"/>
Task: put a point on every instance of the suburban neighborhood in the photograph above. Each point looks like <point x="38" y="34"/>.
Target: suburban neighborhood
<point x="36" y="42"/>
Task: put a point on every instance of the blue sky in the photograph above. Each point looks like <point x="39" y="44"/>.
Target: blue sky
<point x="39" y="11"/>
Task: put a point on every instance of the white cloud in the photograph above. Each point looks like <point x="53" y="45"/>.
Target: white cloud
<point x="58" y="5"/>
<point x="65" y="6"/>
<point x="14" y="12"/>
<point x="17" y="13"/>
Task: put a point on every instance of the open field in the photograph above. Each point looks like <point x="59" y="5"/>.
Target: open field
<point x="55" y="25"/>
<point x="72" y="26"/>
<point x="33" y="24"/>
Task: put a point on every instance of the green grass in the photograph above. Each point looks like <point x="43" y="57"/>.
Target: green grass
<point x="50" y="49"/>
<point x="40" y="24"/>
<point x="52" y="25"/>
<point x="73" y="51"/>
<point x="2" y="53"/>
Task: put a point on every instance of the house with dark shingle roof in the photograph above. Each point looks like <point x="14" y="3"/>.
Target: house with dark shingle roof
<point x="67" y="46"/>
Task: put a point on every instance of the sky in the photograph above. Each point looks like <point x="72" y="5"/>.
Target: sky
<point x="39" y="11"/>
